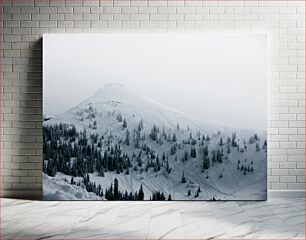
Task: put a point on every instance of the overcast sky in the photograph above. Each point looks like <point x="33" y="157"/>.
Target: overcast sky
<point x="214" y="77"/>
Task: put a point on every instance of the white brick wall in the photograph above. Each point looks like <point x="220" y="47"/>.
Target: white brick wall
<point x="24" y="22"/>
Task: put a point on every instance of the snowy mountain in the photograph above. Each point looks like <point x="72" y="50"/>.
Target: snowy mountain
<point x="118" y="134"/>
<point x="114" y="98"/>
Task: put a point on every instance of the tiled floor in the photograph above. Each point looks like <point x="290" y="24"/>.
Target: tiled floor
<point x="273" y="219"/>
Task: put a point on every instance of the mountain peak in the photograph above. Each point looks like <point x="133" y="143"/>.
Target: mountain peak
<point x="114" y="92"/>
<point x="117" y="92"/>
<point x="113" y="85"/>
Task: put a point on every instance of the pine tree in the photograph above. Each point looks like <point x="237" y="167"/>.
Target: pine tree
<point x="183" y="180"/>
<point x="174" y="137"/>
<point x="140" y="125"/>
<point x="256" y="138"/>
<point x="257" y="147"/>
<point x="205" y="151"/>
<point x="154" y="132"/>
<point x="141" y="194"/>
<point x="206" y="163"/>
<point x="169" y="197"/>
<point x="185" y="157"/>
<point x="193" y="152"/>
<point x="94" y="125"/>
<point x="219" y="156"/>
<point x="214" y="158"/>
<point x="221" y="142"/>
<point x="116" y="189"/>
<point x="124" y="124"/>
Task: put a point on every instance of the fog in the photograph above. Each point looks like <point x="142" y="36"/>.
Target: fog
<point x="214" y="77"/>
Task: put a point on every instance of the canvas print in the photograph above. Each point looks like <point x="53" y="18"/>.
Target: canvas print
<point x="154" y="116"/>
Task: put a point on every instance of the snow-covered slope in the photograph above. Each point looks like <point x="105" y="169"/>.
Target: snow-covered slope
<point x="58" y="189"/>
<point x="104" y="114"/>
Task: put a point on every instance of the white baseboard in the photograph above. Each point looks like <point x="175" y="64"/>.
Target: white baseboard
<point x="37" y="194"/>
<point x="22" y="194"/>
<point x="286" y="194"/>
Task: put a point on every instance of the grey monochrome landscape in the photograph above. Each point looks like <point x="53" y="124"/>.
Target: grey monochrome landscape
<point x="133" y="141"/>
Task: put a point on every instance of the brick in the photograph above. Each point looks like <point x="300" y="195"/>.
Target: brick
<point x="73" y="17"/>
<point x="11" y="38"/>
<point x="40" y="16"/>
<point x="91" y="3"/>
<point x="229" y="17"/>
<point x="11" y="179"/>
<point x="48" y="10"/>
<point x="176" y="17"/>
<point x="47" y="24"/>
<point x="157" y="3"/>
<point x="104" y="17"/>
<point x="273" y="179"/>
<point x="57" y="17"/>
<point x="82" y="24"/>
<point x="296" y="186"/>
<point x="98" y="24"/>
<point x="278" y="186"/>
<point x="193" y="17"/>
<point x="28" y="179"/>
<point x="202" y="10"/>
<point x="147" y="9"/>
<point x="189" y="3"/>
<point x="11" y="10"/>
<point x="167" y="24"/>
<point x="130" y="24"/>
<point x="127" y="10"/>
<point x="21" y="31"/>
<point x="11" y="24"/>
<point x="148" y="24"/>
<point x="111" y="10"/>
<point x="176" y="3"/>
<point x="21" y="17"/>
<point x="91" y="17"/>
<point x="287" y="165"/>
<point x="166" y="10"/>
<point x="287" y="179"/>
<point x="122" y="3"/>
<point x="222" y="24"/>
<point x="60" y="3"/>
<point x="158" y="17"/>
<point x="63" y="10"/>
<point x="74" y="3"/>
<point x="29" y="10"/>
<point x="96" y="10"/>
<point x="185" y="24"/>
<point x="81" y="10"/>
<point x="139" y="17"/>
<point x="185" y="9"/>
<point x="65" y="24"/>
<point x="296" y="172"/>
<point x="25" y="3"/>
